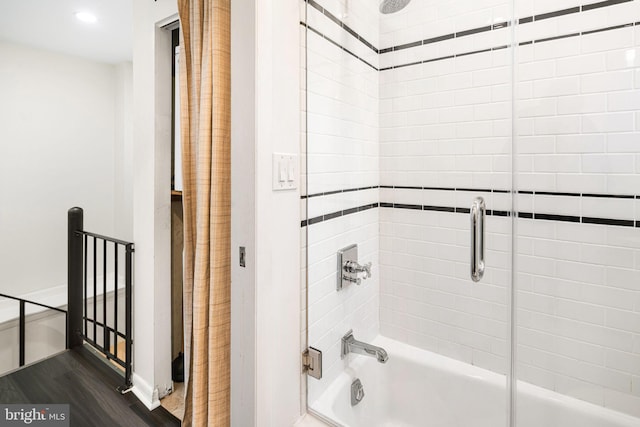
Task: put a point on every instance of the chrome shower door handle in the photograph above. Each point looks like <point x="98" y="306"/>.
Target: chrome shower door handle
<point x="477" y="239"/>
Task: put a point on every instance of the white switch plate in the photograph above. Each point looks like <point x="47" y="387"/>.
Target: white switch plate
<point x="285" y="171"/>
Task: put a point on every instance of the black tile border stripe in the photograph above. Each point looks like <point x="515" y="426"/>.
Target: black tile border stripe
<point x="602" y="4"/>
<point x="464" y="33"/>
<point x="475" y="52"/>
<point x="615" y="27"/>
<point x="346" y="190"/>
<point x="498" y="213"/>
<point x="341" y="24"/>
<point x="338" y="45"/>
<point x="556" y="13"/>
<point x="543" y="40"/>
<point x="500" y="25"/>
<point x="549" y="39"/>
<point x="338" y="214"/>
<point x="476" y="190"/>
<point x="464" y="210"/>
<point x="608" y="221"/>
<point x="553" y="217"/>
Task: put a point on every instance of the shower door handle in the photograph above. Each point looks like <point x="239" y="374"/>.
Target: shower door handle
<point x="477" y="239"/>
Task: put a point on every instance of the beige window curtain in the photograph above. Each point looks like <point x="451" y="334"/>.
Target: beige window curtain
<point x="205" y="116"/>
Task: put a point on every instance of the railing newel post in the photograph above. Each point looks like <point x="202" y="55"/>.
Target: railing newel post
<point x="128" y="314"/>
<point x="74" y="277"/>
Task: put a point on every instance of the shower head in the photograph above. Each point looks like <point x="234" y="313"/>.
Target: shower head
<point x="392" y="6"/>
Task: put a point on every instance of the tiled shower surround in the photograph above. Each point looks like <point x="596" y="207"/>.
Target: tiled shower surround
<point x="409" y="118"/>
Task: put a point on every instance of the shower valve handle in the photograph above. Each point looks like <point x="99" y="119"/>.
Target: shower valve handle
<point x="349" y="270"/>
<point x="355" y="268"/>
<point x="357" y="281"/>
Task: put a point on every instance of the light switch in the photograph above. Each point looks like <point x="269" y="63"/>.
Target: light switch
<point x="291" y="175"/>
<point x="282" y="170"/>
<point x="285" y="171"/>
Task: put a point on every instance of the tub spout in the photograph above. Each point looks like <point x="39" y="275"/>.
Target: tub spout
<point x="351" y="345"/>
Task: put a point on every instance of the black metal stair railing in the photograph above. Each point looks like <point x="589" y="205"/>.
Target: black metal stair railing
<point x="22" y="322"/>
<point x="89" y="254"/>
<point x="82" y="323"/>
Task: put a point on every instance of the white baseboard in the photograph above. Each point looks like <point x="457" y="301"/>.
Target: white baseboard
<point x="147" y="394"/>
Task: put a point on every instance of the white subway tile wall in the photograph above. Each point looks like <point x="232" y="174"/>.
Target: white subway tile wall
<point x="342" y="154"/>
<point x="446" y="124"/>
<point x="438" y="116"/>
<point x="578" y="284"/>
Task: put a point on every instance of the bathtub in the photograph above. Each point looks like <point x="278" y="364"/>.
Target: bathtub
<point x="417" y="388"/>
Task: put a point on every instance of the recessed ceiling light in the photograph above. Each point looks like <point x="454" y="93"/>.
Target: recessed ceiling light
<point x="86" y="17"/>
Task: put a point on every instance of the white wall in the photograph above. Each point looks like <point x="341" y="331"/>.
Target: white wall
<point x="123" y="150"/>
<point x="265" y="303"/>
<point x="243" y="213"/>
<point x="277" y="106"/>
<point x="59" y="132"/>
<point x="152" y="58"/>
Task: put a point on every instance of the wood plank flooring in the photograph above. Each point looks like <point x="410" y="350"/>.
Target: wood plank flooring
<point x="174" y="403"/>
<point x="88" y="385"/>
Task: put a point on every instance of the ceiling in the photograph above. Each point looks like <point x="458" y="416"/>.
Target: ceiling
<point x="52" y="25"/>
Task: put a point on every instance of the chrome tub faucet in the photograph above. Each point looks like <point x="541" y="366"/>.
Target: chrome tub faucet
<point x="351" y="345"/>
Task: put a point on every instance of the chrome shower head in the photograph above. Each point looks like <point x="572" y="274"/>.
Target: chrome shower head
<point x="392" y="6"/>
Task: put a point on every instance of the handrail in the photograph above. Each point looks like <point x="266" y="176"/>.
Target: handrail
<point x="101" y="237"/>
<point x="33" y="302"/>
<point x="22" y="324"/>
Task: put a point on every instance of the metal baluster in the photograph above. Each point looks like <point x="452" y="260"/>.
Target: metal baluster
<point x="86" y="284"/>
<point x="22" y="333"/>
<point x="95" y="292"/>
<point x="115" y="299"/>
<point x="105" y="331"/>
<point x="128" y="315"/>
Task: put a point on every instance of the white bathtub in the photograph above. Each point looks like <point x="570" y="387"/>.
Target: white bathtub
<point x="417" y="388"/>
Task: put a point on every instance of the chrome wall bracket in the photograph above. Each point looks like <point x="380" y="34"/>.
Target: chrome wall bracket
<point x="312" y="362"/>
<point x="348" y="267"/>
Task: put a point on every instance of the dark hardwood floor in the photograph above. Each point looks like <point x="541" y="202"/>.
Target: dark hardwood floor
<point x="88" y="385"/>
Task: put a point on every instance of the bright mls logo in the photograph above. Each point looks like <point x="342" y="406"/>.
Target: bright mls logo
<point x="34" y="415"/>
